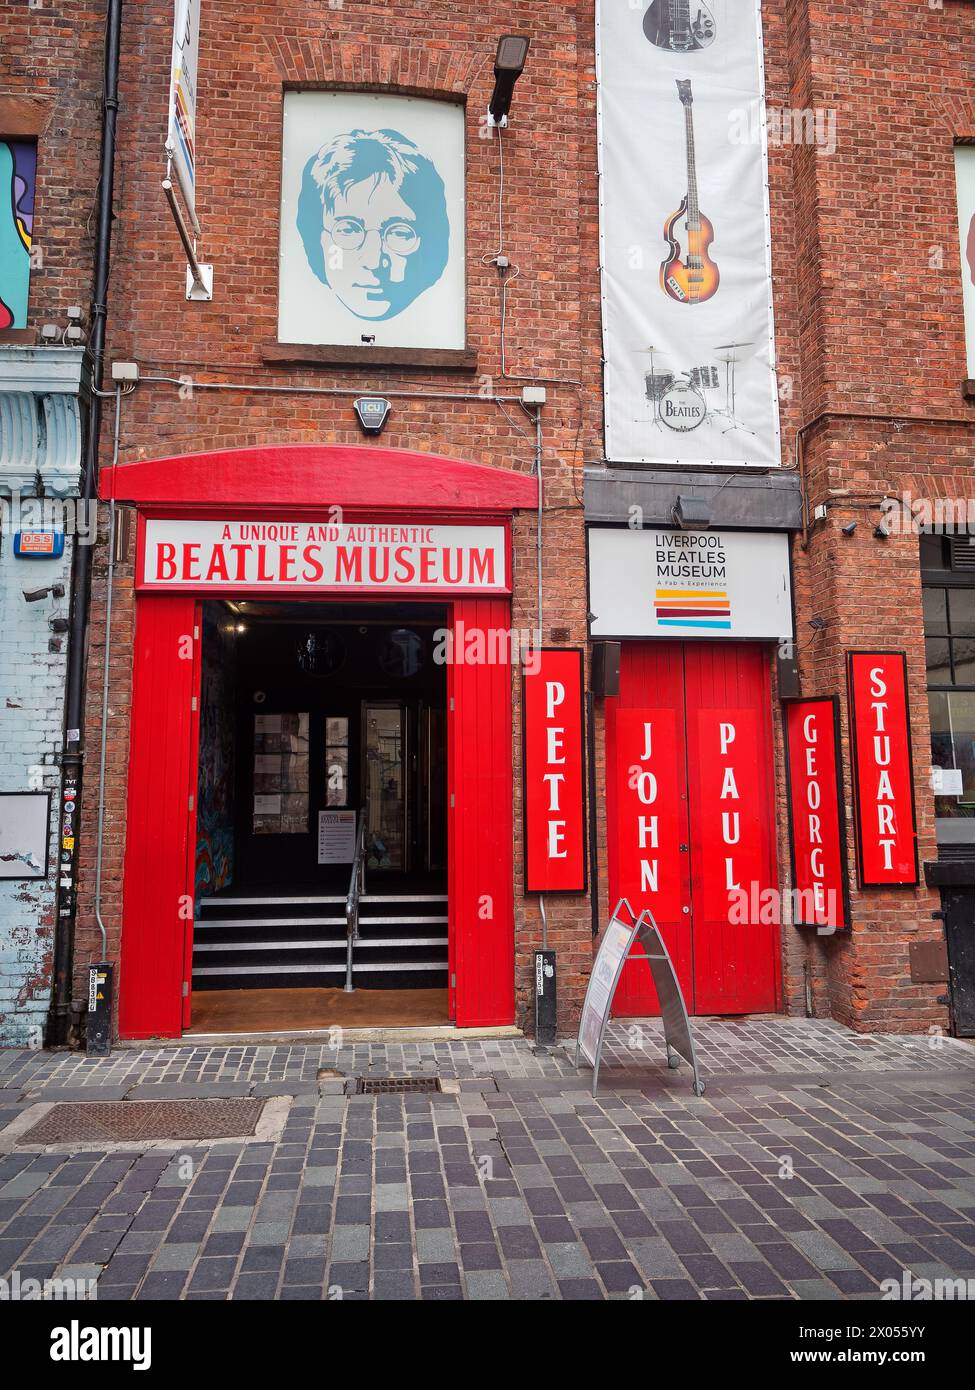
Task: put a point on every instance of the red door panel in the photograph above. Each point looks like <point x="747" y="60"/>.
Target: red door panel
<point x="730" y="784"/>
<point x="649" y="874"/>
<point x="194" y="778"/>
<point x="481" y="903"/>
<point x="156" y="912"/>
<point x="717" y="699"/>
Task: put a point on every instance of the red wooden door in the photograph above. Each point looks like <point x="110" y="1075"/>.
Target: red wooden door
<point x="480" y="893"/>
<point x="157" y="905"/>
<point x="730" y="761"/>
<point x="689" y="769"/>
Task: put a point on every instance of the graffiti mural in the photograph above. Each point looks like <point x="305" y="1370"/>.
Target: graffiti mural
<point x="18" y="174"/>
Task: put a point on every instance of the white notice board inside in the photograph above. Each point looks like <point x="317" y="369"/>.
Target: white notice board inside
<point x="336" y="837"/>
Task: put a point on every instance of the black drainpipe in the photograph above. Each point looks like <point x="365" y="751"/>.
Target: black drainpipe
<point x="72" y="758"/>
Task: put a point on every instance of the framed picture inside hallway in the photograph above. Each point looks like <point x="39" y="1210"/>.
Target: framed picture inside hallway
<point x="372" y="237"/>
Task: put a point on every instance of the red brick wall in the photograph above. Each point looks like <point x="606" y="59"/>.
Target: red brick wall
<point x="881" y="336"/>
<point x="247" y="58"/>
<point x="863" y="326"/>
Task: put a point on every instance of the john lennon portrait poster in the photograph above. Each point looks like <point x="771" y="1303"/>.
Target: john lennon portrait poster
<point x="372" y="221"/>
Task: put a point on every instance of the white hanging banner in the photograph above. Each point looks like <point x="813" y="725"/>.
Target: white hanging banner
<point x="686" y="268"/>
<point x="181" y="131"/>
<point x="965" y="176"/>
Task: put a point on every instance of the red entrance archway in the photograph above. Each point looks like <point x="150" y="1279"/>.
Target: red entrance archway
<point x="333" y="487"/>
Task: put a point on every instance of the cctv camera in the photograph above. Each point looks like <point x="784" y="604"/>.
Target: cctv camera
<point x="36" y="595"/>
<point x="849" y="528"/>
<point x="881" y="532"/>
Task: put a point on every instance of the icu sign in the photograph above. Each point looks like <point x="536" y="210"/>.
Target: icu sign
<point x="258" y="556"/>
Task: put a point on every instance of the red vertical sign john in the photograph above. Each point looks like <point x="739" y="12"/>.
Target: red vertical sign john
<point x="816" y="826"/>
<point x="649" y="822"/>
<point x="555" y="839"/>
<point x="883" y="774"/>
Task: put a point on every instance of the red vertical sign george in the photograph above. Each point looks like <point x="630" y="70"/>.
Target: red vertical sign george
<point x="883" y="775"/>
<point x="649" y="813"/>
<point x="816" y="813"/>
<point x="734" y="868"/>
<point x="555" y="841"/>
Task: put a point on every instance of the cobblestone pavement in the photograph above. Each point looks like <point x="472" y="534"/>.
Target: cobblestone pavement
<point x="818" y="1163"/>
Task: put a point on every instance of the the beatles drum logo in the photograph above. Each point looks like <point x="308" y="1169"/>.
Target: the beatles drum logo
<point x="682" y="407"/>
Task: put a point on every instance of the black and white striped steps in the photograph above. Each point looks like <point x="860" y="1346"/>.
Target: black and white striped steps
<point x="280" y="941"/>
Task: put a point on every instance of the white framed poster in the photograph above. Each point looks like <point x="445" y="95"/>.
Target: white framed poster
<point x="25" y="832"/>
<point x="684" y="231"/>
<point x="372" y="221"/>
<point x="965" y="178"/>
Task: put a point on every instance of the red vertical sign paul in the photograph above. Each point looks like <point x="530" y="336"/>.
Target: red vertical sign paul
<point x="815" y="814"/>
<point x="555" y="842"/>
<point x="732" y="847"/>
<point x="883" y="779"/>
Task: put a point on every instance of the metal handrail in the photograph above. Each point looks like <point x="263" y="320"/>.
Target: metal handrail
<point x="357" y="884"/>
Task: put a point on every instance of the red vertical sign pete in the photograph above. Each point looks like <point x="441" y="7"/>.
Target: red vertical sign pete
<point x="816" y="813"/>
<point x="883" y="775"/>
<point x="555" y="841"/>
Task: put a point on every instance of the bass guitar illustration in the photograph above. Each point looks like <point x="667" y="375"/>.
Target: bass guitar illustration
<point x="679" y="26"/>
<point x="689" y="275"/>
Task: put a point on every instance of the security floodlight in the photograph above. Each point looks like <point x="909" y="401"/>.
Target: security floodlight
<point x="509" y="64"/>
<point x="691" y="511"/>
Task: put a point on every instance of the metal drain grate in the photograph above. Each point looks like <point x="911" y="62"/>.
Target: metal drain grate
<point x="396" y="1085"/>
<point x="128" y="1120"/>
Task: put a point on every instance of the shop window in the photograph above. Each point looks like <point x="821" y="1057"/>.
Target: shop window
<point x="372" y="221"/>
<point x="336" y="762"/>
<point x="18" y="177"/>
<point x="280" y="774"/>
<point x="949" y="639"/>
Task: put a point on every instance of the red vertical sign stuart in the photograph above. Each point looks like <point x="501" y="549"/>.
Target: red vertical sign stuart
<point x="555" y="841"/>
<point x="816" y="813"/>
<point x="883" y="777"/>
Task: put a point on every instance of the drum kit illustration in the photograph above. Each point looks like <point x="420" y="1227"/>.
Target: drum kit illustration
<point x="682" y="400"/>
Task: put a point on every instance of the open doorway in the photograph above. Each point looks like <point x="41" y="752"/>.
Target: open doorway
<point x="323" y="736"/>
